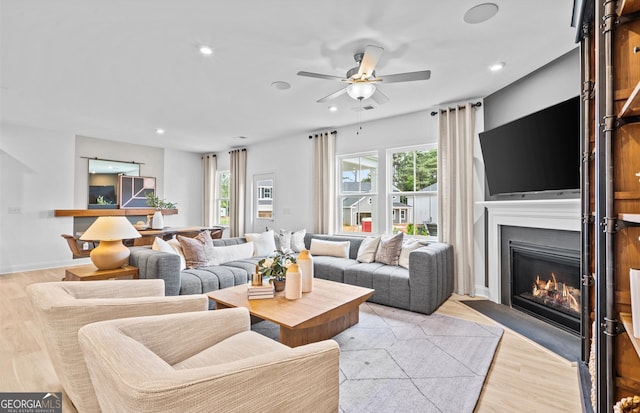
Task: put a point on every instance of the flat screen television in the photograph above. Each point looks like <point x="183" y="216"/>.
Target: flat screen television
<point x="537" y="153"/>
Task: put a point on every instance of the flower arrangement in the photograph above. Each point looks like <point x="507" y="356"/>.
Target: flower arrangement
<point x="276" y="267"/>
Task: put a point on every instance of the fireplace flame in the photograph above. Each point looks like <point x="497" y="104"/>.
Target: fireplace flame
<point x="557" y="294"/>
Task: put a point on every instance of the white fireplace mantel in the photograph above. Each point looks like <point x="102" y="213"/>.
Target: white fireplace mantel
<point x="560" y="214"/>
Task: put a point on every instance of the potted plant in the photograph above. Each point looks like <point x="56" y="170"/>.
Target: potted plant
<point x="275" y="268"/>
<point x="155" y="202"/>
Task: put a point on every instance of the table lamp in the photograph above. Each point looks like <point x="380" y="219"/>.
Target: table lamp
<point x="110" y="231"/>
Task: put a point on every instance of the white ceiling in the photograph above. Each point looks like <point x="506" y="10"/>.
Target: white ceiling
<point x="119" y="69"/>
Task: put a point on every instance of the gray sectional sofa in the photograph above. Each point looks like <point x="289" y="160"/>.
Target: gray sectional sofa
<point x="422" y="288"/>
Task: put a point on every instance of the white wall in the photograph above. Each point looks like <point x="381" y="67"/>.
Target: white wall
<point x="40" y="171"/>
<point x="183" y="184"/>
<point x="290" y="159"/>
<point x="36" y="177"/>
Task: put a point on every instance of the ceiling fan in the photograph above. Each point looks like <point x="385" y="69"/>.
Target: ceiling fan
<point x="362" y="78"/>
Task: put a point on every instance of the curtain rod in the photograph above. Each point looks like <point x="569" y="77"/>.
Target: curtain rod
<point x="473" y="105"/>
<point x="239" y="150"/>
<point x="333" y="132"/>
<point x="95" y="158"/>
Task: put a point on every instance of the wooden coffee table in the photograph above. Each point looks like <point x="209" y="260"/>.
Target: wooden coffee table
<point x="321" y="314"/>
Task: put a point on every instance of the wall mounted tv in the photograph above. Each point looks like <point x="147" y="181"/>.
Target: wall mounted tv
<point x="537" y="153"/>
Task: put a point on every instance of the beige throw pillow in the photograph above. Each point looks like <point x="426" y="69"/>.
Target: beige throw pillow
<point x="338" y="249"/>
<point x="408" y="246"/>
<point x="389" y="249"/>
<point x="368" y="248"/>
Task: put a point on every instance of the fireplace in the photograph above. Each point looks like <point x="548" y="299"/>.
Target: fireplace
<point x="545" y="282"/>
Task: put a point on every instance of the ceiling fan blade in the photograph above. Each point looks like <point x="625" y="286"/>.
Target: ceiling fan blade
<point x="320" y="76"/>
<point x="406" y="77"/>
<point x="333" y="95"/>
<point x="369" y="61"/>
<point x="379" y="97"/>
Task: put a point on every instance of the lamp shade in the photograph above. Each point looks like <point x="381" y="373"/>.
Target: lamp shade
<point x="110" y="229"/>
<point x="361" y="90"/>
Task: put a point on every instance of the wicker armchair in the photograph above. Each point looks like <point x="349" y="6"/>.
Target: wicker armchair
<point x="205" y="362"/>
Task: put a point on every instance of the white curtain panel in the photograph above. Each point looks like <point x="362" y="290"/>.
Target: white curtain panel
<point x="324" y="153"/>
<point x="209" y="165"/>
<point x="455" y="184"/>
<point x="237" y="190"/>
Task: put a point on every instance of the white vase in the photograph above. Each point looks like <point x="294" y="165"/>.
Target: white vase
<point x="293" y="286"/>
<point x="305" y="262"/>
<point x="158" y="220"/>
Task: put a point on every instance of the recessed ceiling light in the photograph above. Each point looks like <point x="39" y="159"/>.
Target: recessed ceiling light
<point x="333" y="108"/>
<point x="206" y="50"/>
<point x="160" y="131"/>
<point x="280" y="85"/>
<point x="496" y="67"/>
<point x="480" y="13"/>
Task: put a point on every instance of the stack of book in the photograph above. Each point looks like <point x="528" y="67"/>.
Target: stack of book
<point x="260" y="292"/>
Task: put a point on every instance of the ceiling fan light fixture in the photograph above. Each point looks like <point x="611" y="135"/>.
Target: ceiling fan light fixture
<point x="361" y="90"/>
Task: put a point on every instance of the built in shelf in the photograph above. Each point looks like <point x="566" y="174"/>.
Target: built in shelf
<point x="633" y="219"/>
<point x="628" y="6"/>
<point x="632" y="105"/>
<point x="110" y="212"/>
<point x="627" y="322"/>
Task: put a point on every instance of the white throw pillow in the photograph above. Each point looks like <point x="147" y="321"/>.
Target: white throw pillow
<point x="264" y="245"/>
<point x="408" y="246"/>
<point x="368" y="248"/>
<point x="297" y="240"/>
<point x="228" y="253"/>
<point x="166" y="246"/>
<point x="338" y="249"/>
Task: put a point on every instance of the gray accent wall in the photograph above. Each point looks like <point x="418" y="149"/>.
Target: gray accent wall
<point x="553" y="83"/>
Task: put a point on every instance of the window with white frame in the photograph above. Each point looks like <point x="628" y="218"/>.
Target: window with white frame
<point x="358" y="193"/>
<point x="222" y="197"/>
<point x="413" y="190"/>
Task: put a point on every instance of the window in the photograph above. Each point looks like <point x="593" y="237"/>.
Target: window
<point x="413" y="197"/>
<point x="222" y="197"/>
<point x="358" y="193"/>
<point x="264" y="196"/>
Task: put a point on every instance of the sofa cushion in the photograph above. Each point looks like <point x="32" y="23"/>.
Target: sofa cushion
<point x="338" y="249"/>
<point x="205" y="279"/>
<point x="389" y="249"/>
<point x="331" y="268"/>
<point x="390" y="282"/>
<point x="368" y="248"/>
<point x="353" y="249"/>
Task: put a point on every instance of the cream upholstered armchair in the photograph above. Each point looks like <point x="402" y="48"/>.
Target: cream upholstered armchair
<point x="206" y="362"/>
<point x="64" y="307"/>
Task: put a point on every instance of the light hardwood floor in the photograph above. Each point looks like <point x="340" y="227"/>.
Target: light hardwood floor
<point x="524" y="377"/>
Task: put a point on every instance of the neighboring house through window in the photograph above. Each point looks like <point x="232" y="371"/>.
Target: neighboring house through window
<point x="414" y="190"/>
<point x="358" y="193"/>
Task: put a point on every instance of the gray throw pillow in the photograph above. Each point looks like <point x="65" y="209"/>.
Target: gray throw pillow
<point x="389" y="249"/>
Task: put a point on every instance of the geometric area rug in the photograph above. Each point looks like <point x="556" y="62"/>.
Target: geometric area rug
<point x="400" y="361"/>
